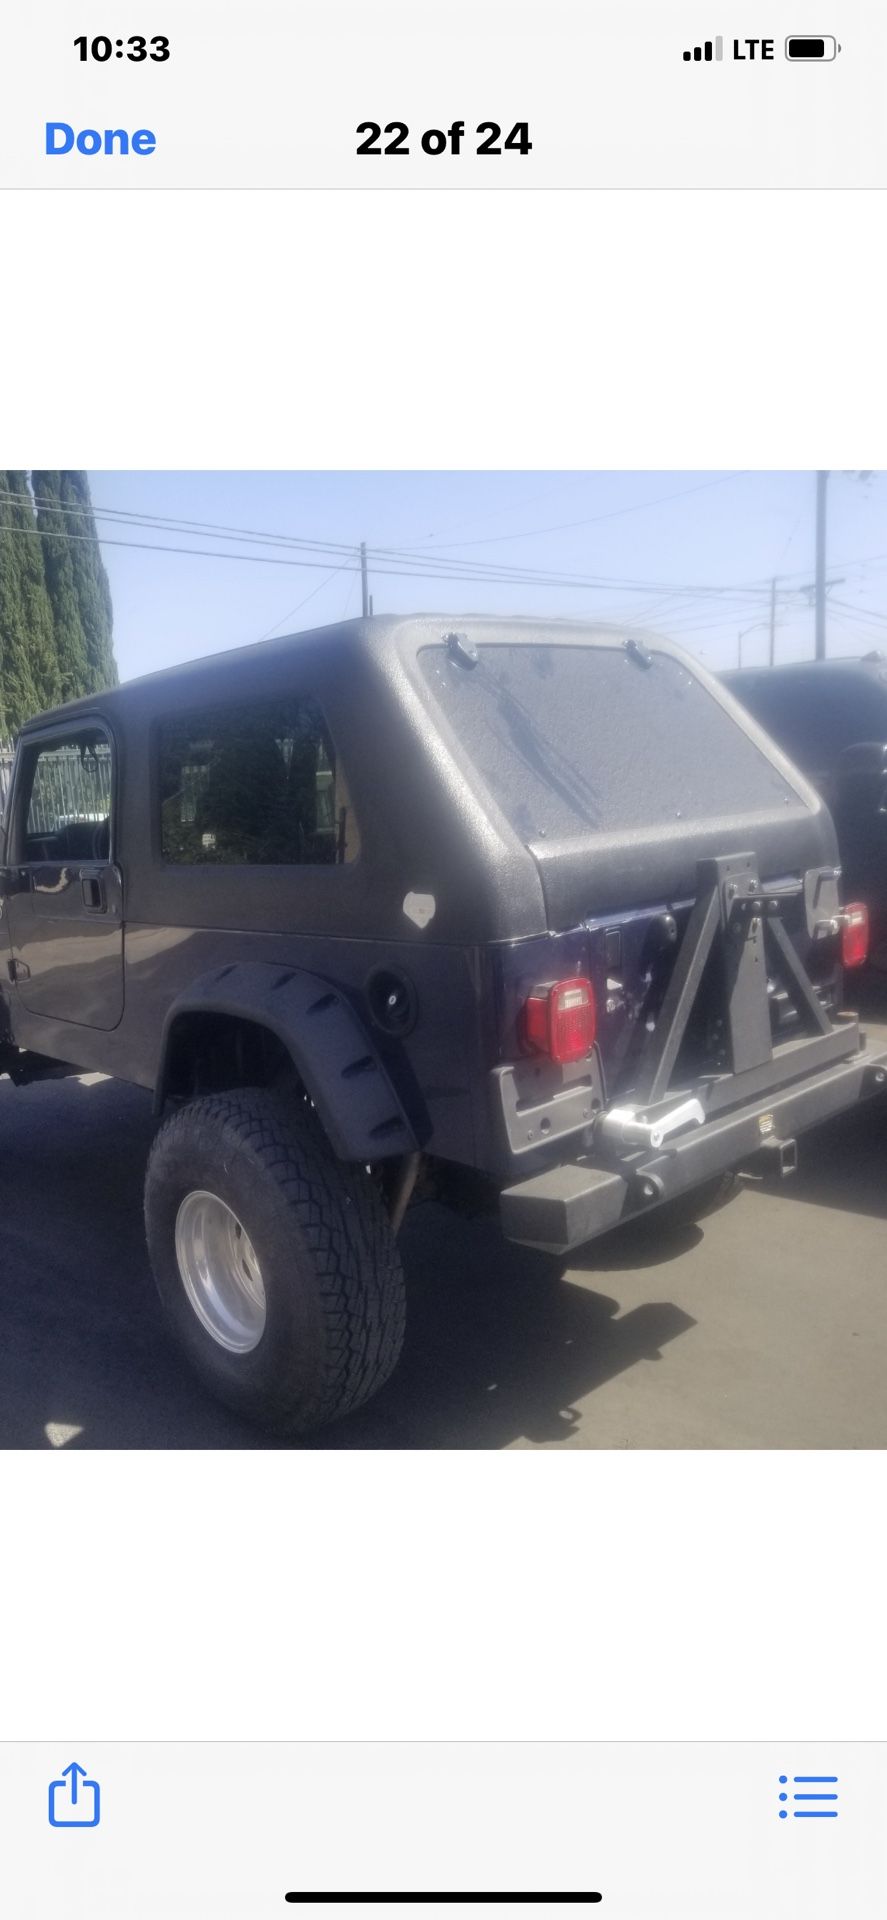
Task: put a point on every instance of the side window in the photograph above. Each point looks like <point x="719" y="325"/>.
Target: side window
<point x="66" y="799"/>
<point x="254" y="785"/>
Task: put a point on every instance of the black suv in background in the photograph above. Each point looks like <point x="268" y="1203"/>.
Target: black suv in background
<point x="411" y="904"/>
<point x="831" y="718"/>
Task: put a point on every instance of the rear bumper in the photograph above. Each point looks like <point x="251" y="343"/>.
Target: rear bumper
<point x="569" y="1204"/>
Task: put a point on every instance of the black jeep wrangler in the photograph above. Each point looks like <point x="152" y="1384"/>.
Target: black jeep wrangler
<point x="522" y="906"/>
<point x="831" y="717"/>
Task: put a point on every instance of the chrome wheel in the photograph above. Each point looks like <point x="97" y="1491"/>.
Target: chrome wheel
<point x="220" y="1272"/>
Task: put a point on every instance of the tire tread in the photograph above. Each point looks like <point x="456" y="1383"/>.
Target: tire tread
<point x="341" y="1217"/>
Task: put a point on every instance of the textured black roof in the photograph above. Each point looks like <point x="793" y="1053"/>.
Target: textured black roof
<point x="376" y="636"/>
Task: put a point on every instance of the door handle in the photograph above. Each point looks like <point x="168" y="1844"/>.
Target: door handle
<point x="92" y="887"/>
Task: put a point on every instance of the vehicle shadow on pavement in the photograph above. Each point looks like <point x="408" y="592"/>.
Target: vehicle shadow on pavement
<point x="84" y="1354"/>
<point x="499" y="1346"/>
<point x="843" y="1164"/>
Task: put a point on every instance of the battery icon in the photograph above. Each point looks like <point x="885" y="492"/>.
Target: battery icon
<point x="804" y="46"/>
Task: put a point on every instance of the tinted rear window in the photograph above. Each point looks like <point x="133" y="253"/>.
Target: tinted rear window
<point x="577" y="739"/>
<point x="255" y="784"/>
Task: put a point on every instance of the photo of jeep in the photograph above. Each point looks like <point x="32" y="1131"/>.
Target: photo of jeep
<point x="521" y="908"/>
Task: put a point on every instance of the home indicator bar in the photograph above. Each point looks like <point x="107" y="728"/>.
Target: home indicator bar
<point x="451" y="1899"/>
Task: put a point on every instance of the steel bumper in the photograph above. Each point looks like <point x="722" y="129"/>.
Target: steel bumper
<point x="567" y="1205"/>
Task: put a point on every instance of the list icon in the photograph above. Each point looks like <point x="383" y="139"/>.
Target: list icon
<point x="814" y="1798"/>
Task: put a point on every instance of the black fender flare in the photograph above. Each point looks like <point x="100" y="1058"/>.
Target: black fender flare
<point x="337" y="1059"/>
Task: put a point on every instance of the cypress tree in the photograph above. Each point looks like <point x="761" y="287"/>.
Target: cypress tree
<point x="77" y="582"/>
<point x="70" y="643"/>
<point x="90" y="583"/>
<point x="29" y="679"/>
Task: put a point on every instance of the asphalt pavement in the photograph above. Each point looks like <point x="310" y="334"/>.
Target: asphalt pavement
<point x="764" y="1326"/>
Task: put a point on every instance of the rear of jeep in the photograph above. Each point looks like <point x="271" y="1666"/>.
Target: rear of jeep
<point x="577" y="949"/>
<point x="682" y="1015"/>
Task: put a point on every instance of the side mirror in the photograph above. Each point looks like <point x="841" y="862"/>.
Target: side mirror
<point x="861" y="778"/>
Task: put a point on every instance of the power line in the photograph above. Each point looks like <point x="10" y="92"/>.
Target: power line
<point x="862" y="613"/>
<point x="615" y="513"/>
<point x="466" y="570"/>
<point x="351" y="586"/>
<point x="211" y="529"/>
<point x="566" y="481"/>
<point x="862" y="560"/>
<point x="214" y="531"/>
<point x="169" y="523"/>
<point x="300" y="604"/>
<point x="600" y="583"/>
<point x="499" y="573"/>
<point x="277" y="560"/>
<point x="734" y="599"/>
<point x="251" y="533"/>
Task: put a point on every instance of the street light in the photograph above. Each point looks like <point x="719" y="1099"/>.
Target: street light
<point x="741" y="636"/>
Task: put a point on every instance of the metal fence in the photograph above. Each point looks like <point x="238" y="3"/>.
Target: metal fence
<point x="68" y="785"/>
<point x="6" y="758"/>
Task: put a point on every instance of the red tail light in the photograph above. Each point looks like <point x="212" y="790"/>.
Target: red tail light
<point x="855" y="934"/>
<point x="561" y="1020"/>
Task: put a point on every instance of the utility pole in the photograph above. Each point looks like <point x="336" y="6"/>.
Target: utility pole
<point x="364" y="582"/>
<point x="773" y="621"/>
<point x="821" y="493"/>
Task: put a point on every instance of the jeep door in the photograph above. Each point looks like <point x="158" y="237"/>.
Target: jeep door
<point x="64" y="900"/>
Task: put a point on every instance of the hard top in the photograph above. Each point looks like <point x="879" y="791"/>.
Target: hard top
<point x="525" y="796"/>
<point x="380" y="637"/>
<point x="868" y="669"/>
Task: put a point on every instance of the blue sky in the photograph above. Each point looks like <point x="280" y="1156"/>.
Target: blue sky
<point x="707" y="542"/>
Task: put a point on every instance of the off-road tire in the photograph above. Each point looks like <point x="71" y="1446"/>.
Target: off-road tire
<point x="698" y="1202"/>
<point x="333" y="1281"/>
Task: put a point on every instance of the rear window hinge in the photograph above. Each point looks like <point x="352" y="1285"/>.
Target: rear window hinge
<point x="638" y="652"/>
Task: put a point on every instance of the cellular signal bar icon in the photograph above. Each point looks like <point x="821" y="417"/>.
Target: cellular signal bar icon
<point x="710" y="50"/>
